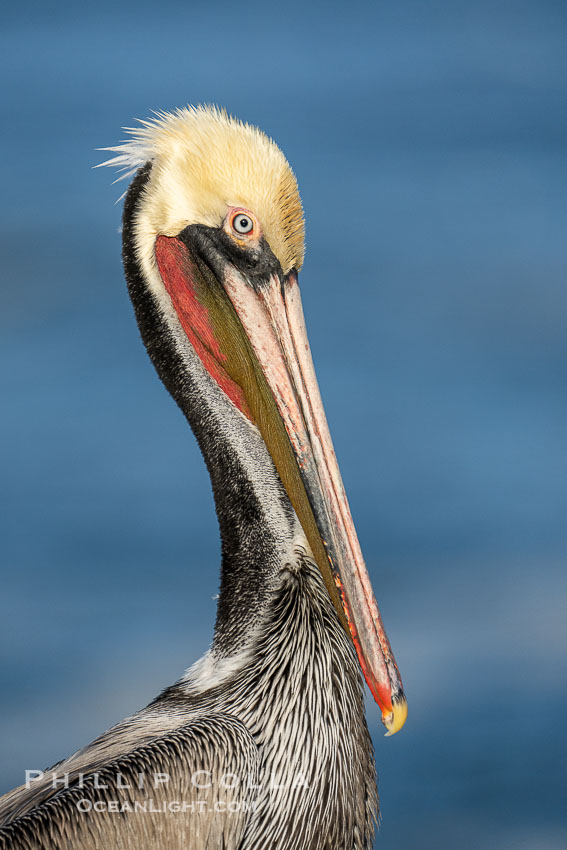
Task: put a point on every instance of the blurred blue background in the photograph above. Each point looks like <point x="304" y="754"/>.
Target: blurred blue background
<point x="429" y="141"/>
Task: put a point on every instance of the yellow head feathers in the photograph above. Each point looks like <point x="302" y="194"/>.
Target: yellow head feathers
<point x="204" y="161"/>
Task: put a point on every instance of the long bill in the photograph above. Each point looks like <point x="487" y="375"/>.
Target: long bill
<point x="261" y="348"/>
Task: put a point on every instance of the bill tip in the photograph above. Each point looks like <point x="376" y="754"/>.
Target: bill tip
<point x="395" y="719"/>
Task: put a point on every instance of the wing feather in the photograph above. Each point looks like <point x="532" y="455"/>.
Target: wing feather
<point x="211" y="767"/>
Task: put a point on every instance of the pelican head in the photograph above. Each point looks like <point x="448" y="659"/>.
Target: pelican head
<point x="215" y="227"/>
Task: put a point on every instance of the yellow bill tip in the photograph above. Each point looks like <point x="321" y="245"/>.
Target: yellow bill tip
<point x="396" y="718"/>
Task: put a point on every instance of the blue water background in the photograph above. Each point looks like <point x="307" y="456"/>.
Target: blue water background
<point x="430" y="144"/>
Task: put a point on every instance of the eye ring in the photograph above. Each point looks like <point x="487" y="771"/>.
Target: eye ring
<point x="242" y="224"/>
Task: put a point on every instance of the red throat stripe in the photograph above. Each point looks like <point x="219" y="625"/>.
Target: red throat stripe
<point x="180" y="277"/>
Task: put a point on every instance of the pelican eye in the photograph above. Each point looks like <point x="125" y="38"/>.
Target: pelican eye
<point x="242" y="223"/>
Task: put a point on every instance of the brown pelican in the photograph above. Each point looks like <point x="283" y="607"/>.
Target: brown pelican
<point x="263" y="742"/>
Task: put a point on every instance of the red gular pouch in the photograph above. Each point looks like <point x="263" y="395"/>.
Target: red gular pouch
<point x="186" y="288"/>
